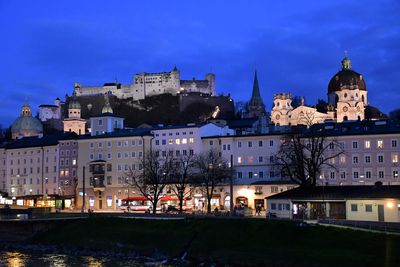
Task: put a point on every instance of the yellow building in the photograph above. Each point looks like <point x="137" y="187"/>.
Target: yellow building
<point x="105" y="160"/>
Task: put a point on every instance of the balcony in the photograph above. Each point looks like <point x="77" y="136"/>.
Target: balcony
<point x="98" y="183"/>
<point x="97" y="168"/>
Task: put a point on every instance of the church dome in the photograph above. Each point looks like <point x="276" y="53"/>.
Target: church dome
<point x="25" y="124"/>
<point x="346" y="78"/>
<point x="74" y="103"/>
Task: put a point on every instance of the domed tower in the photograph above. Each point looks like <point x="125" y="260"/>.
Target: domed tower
<point x="74" y="122"/>
<point x="74" y="107"/>
<point x="26" y="125"/>
<point x="282" y="109"/>
<point x="347" y="92"/>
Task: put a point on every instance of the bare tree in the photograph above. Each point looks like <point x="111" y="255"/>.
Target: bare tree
<point x="153" y="177"/>
<point x="211" y="170"/>
<point x="303" y="154"/>
<point x="182" y="177"/>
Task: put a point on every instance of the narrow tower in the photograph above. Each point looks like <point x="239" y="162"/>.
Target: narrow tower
<point x="256" y="105"/>
<point x="74" y="122"/>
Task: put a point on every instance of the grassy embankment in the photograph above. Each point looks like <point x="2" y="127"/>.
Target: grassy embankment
<point x="271" y="243"/>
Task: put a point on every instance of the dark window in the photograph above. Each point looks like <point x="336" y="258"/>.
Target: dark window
<point x="354" y="207"/>
<point x="368" y="208"/>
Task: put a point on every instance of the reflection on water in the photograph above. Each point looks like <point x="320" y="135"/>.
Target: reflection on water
<point x="93" y="262"/>
<point x="22" y="259"/>
<point x="15" y="259"/>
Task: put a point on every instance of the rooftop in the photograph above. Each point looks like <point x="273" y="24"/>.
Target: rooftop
<point x="340" y="192"/>
<point x="37" y="141"/>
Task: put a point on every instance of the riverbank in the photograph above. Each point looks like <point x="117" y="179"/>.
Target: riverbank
<point x="233" y="242"/>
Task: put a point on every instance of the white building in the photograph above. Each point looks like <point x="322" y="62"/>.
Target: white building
<point x="148" y="84"/>
<point x="347" y="101"/>
<point x="50" y="112"/>
<point x="185" y="139"/>
<point x="107" y="122"/>
<point x="356" y="203"/>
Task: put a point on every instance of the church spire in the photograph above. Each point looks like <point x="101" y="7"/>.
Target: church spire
<point x="256" y="88"/>
<point x="256" y="105"/>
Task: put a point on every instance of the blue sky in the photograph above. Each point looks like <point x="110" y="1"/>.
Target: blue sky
<point x="296" y="46"/>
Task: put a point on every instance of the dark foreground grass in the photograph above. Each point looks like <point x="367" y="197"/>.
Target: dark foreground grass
<point x="241" y="242"/>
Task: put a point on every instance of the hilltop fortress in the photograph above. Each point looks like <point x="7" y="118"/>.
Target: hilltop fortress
<point x="149" y="84"/>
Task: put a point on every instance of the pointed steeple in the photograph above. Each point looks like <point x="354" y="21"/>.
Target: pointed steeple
<point x="256" y="105"/>
<point x="256" y="88"/>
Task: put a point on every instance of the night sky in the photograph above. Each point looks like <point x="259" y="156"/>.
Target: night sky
<point x="296" y="46"/>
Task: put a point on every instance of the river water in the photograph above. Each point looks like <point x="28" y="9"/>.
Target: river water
<point x="13" y="258"/>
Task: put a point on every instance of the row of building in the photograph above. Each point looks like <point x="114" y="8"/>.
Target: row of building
<point x="39" y="170"/>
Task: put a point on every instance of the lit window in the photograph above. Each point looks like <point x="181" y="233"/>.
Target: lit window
<point x="342" y="159"/>
<point x="379" y="144"/>
<point x="250" y="159"/>
<point x="239" y="160"/>
<point x="177" y="141"/>
<point x="395" y="158"/>
<point x="367" y="144"/>
<point x="170" y="141"/>
<point x="191" y="140"/>
<point x="74" y="162"/>
<point x="184" y="141"/>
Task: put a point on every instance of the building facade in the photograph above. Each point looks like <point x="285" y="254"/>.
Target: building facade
<point x="347" y="101"/>
<point x="104" y="163"/>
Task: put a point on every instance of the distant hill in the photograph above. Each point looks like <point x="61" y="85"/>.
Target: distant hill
<point x="166" y="108"/>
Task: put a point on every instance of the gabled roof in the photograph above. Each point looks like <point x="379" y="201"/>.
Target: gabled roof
<point x="340" y="192"/>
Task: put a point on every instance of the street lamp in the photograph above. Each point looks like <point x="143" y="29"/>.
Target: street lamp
<point x="321" y="177"/>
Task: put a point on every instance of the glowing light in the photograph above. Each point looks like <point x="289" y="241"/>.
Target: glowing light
<point x="390" y="205"/>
